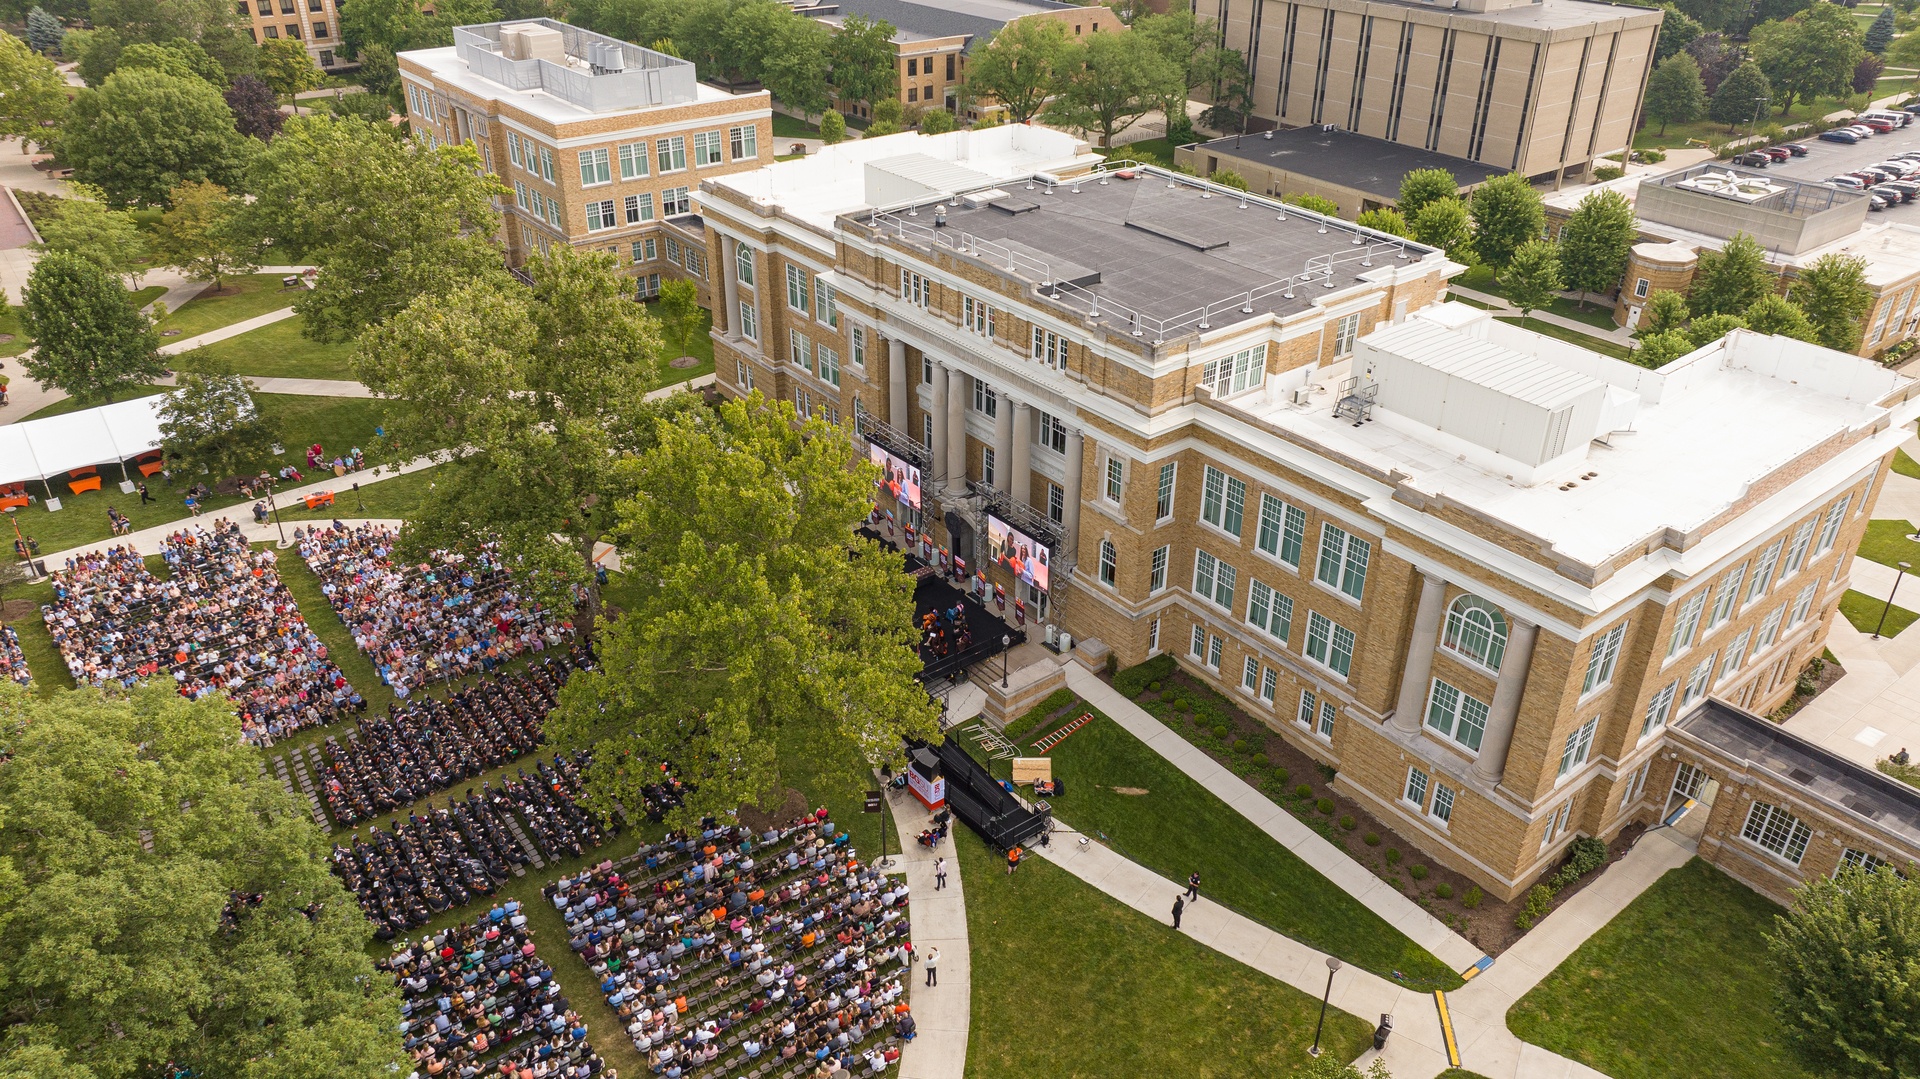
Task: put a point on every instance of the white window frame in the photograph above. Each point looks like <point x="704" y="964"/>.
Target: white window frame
<point x="749" y="321"/>
<point x="1109" y="563"/>
<point x="634" y="162"/>
<point x="1230" y="375"/>
<point x="826" y="303"/>
<point x="1797" y="553"/>
<point x="709" y="149"/>
<point x="1456" y="715"/>
<point x="1602" y="660"/>
<point x="1213" y="579"/>
<point x="1116" y="484"/>
<point x="799" y="291"/>
<point x="1481" y="642"/>
<point x="915" y="289"/>
<point x="1578" y="748"/>
<point x="1050" y="348"/>
<point x="1763" y="568"/>
<point x="1345" y="332"/>
<point x="1282" y="532"/>
<point x="1414" y="791"/>
<point x="595" y="168"/>
<point x="976" y="316"/>
<point x="1223" y="501"/>
<point x="1686" y="623"/>
<point x="1442" y="807"/>
<point x="1659" y="710"/>
<point x="1157" y="576"/>
<point x="1830" y="531"/>
<point x="857" y="338"/>
<point x="743" y="142"/>
<point x="1270" y="610"/>
<point x="670" y="153"/>
<point x="1164" y="493"/>
<point x="1330" y="644"/>
<point x="675" y="201"/>
<point x="1777" y="831"/>
<point x="1342" y="561"/>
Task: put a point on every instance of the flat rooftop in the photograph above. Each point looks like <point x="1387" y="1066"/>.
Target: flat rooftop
<point x="1750" y="187"/>
<point x="1542" y="15"/>
<point x="915" y="20"/>
<point x="1344" y="158"/>
<point x="1853" y="788"/>
<point x="1164" y="252"/>
<point x="1672" y="448"/>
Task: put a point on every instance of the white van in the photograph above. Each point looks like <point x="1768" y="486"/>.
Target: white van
<point x="1898" y="119"/>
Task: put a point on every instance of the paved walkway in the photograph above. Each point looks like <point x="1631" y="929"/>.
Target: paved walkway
<point x="941" y="1014"/>
<point x="1417" y="1049"/>
<point x="188" y="344"/>
<point x="1329" y="861"/>
<point x="1618" y="334"/>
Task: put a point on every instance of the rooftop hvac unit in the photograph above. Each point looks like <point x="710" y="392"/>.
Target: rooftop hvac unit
<point x="1329" y="128"/>
<point x="1303" y="396"/>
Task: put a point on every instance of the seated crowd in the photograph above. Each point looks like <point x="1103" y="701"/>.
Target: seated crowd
<point x="727" y="949"/>
<point x="223" y="621"/>
<point x="478" y="1000"/>
<point x="442" y="619"/>
<point x="13" y="661"/>
<point x="430" y="745"/>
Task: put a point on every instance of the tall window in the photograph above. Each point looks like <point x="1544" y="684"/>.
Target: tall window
<point x="1763" y="571"/>
<point x="1163" y="498"/>
<point x="1344" y="332"/>
<point x="1199" y="645"/>
<point x="633" y="160"/>
<point x="1698" y="680"/>
<point x="1769" y="631"/>
<point x="1223" y="501"/>
<point x="1736" y="654"/>
<point x="743" y="263"/>
<point x="1686" y="624"/>
<point x="977" y="316"/>
<point x="675" y="200"/>
<point x="1600" y="663"/>
<point x="1343" y="560"/>
<point x="1108" y="558"/>
<point x="986" y="465"/>
<point x="600" y="215"/>
<point x="1776" y="831"/>
<point x="829" y="361"/>
<point x="1802" y="604"/>
<point x="1250" y="675"/>
<point x="1309" y="709"/>
<point x="985" y="400"/>
<point x="1476" y="630"/>
<point x="1579" y="745"/>
<point x="706" y="148"/>
<point x="799" y="297"/>
<point x="744" y="142"/>
<point x="1050" y="348"/>
<point x="1727" y="597"/>
<point x="1053" y="433"/>
<point x="826" y="303"/>
<point x="1157" y="576"/>
<point x="857" y="336"/>
<point x="800" y="349"/>
<point x="1830" y="531"/>
<point x="1797" y="553"/>
<point x="1056" y="504"/>
<point x="1269" y="684"/>
<point x="1213" y="579"/>
<point x="914" y="288"/>
<point x="1283" y="530"/>
<point x="594" y="168"/>
<point x="640" y="208"/>
<point x="1329" y="643"/>
<point x="1442" y="810"/>
<point x="1416" y="791"/>
<point x="546" y="164"/>
<point x="1457" y="714"/>
<point x="1244" y="370"/>
<point x="671" y="152"/>
<point x="1659" y="710"/>
<point x="1271" y="611"/>
<point x="1116" y="474"/>
<point x="749" y="321"/>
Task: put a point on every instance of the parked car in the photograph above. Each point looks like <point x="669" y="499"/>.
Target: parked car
<point x="1865" y="131"/>
<point x="1883" y="127"/>
<point x="1754" y="159"/>
<point x="1897" y="119"/>
<point x="1911" y="107"/>
<point x="1907" y="188"/>
<point x="1851" y="183"/>
<point x="1840" y="134"/>
<point x="1892" y="194"/>
<point x="1876" y="203"/>
<point x="1778" y="153"/>
<point x="1794" y="148"/>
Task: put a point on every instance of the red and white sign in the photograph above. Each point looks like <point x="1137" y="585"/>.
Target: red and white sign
<point x="931" y="792"/>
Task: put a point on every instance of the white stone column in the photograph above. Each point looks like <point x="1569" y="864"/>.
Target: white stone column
<point x="939" y="422"/>
<point x="730" y="273"/>
<point x="956" y="429"/>
<point x="1020" y="468"/>
<point x="1003" y="444"/>
<point x="1419" y="668"/>
<point x="897" y="386"/>
<point x="1491" y="765"/>
<point x="1070" y="517"/>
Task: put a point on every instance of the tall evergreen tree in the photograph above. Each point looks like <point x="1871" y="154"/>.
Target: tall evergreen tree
<point x="1595" y="242"/>
<point x="44" y="31"/>
<point x="90" y="341"/>
<point x="1880" y="31"/>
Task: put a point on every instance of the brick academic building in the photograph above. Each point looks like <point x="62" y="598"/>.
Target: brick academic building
<point x="1485" y="573"/>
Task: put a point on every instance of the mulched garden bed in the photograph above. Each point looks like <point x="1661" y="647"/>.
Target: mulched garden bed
<point x="1807" y="688"/>
<point x="1304" y="786"/>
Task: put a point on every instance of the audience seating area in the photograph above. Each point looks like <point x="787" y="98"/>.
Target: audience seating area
<point x="431" y="622"/>
<point x="477" y="1000"/>
<point x="223" y="621"/>
<point x="761" y="956"/>
<point x="430" y="745"/>
<point x="13" y="662"/>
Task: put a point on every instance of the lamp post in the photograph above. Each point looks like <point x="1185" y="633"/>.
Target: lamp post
<point x="273" y="507"/>
<point x="1897" y="578"/>
<point x="1333" y="967"/>
<point x="1006" y="642"/>
<point x="1759" y="106"/>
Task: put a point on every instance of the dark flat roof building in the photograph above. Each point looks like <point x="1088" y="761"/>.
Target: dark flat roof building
<point x="1357" y="171"/>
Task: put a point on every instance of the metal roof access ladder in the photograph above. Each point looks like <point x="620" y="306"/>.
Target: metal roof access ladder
<point x="1355" y="401"/>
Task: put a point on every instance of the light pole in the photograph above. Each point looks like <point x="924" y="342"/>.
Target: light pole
<point x="1006" y="642"/>
<point x="274" y="508"/>
<point x="1759" y="106"/>
<point x="1333" y="967"/>
<point x="1897" y="578"/>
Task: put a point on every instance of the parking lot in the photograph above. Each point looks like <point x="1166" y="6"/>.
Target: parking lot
<point x="1826" y="159"/>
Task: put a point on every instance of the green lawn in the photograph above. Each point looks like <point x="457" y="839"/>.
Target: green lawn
<point x="1597" y="313"/>
<point x="699" y="346"/>
<point x="11" y="322"/>
<point x="1587" y="341"/>
<point x="240" y="298"/>
<point x="1886" y="542"/>
<point x="1068" y="982"/>
<point x="1905" y="465"/>
<point x="1677" y="986"/>
<point x="1179" y="827"/>
<point x="1864" y="612"/>
<point x="276" y="350"/>
<point x="1455" y="297"/>
<point x="335" y="423"/>
<point x="1151" y="151"/>
<point x="790" y="127"/>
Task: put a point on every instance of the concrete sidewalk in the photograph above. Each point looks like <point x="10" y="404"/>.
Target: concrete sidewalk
<point x="943" y="1013"/>
<point x="1329" y="861"/>
<point x="188" y="344"/>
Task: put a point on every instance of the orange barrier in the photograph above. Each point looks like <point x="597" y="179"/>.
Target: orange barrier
<point x="322" y="498"/>
<point x="91" y="483"/>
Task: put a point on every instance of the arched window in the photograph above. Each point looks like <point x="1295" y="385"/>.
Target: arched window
<point x="1477" y="630"/>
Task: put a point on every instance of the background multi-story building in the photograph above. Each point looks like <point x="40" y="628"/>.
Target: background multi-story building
<point x="932" y="39"/>
<point x="601" y="141"/>
<point x="1478" y="570"/>
<point x="1541" y="88"/>
<point x="315" y="22"/>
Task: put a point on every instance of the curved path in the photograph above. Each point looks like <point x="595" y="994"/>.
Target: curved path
<point x="941" y="1014"/>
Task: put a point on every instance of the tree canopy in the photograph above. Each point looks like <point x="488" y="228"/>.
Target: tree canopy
<point x="1107" y="82"/>
<point x="1774" y="313"/>
<point x="91" y="341"/>
<point x="256" y="111"/>
<point x="1595" y="241"/>
<point x="203" y="235"/>
<point x="1422" y="186"/>
<point x="533" y="393"/>
<point x="861" y="60"/>
<point x="1532" y="277"/>
<point x="87" y="227"/>
<point x="1674" y="92"/>
<point x="1809" y="55"/>
<point x="33" y="93"/>
<point x="1847" y="955"/>
<point x="1018" y="66"/>
<point x="386" y="220"/>
<point x="1507" y="212"/>
<point x="145" y="132"/>
<point x="759" y="633"/>
<point x="211" y="423"/>
<point x="1729" y="280"/>
<point x="1742" y="95"/>
<point x="1834" y="293"/>
<point x="285" y="66"/>
<point x="160" y="900"/>
<point x="1446" y="224"/>
<point x="1677" y="31"/>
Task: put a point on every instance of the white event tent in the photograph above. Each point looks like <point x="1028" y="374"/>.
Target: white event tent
<point x="50" y="448"/>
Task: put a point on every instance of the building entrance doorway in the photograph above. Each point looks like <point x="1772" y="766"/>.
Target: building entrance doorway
<point x="1690" y="783"/>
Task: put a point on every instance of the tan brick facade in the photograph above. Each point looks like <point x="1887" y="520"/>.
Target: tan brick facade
<point x="316" y="23"/>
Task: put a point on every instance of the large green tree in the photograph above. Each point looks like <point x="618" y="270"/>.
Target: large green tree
<point x="794" y="66"/>
<point x="1880" y="33"/>
<point x="89" y="228"/>
<point x="1848" y="960"/>
<point x="1714" y="14"/>
<point x="285" y="66"/>
<point x="1660" y="349"/>
<point x="534" y="394"/>
<point x="1729" y="280"/>
<point x="1809" y="55"/>
<point x="760" y="638"/>
<point x="89" y="339"/>
<point x="1018" y="67"/>
<point x="386" y="220"/>
<point x="1677" y="31"/>
<point x="861" y="59"/>
<point x="1448" y="225"/>
<point x="161" y="899"/>
<point x="145" y="132"/>
<point x="1507" y="212"/>
<point x="1666" y="310"/>
<point x="1742" y="96"/>
<point x="1774" y="313"/>
<point x="1532" y="276"/>
<point x="1208" y="68"/>
<point x="1419" y="187"/>
<point x="204" y="235"/>
<point x="33" y="93"/>
<point x="178" y="57"/>
<point x="1674" y="93"/>
<point x="399" y="25"/>
<point x="1109" y="81"/>
<point x="44" y="31"/>
<point x="1834" y="293"/>
<point x="212" y="424"/>
<point x="1595" y="241"/>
